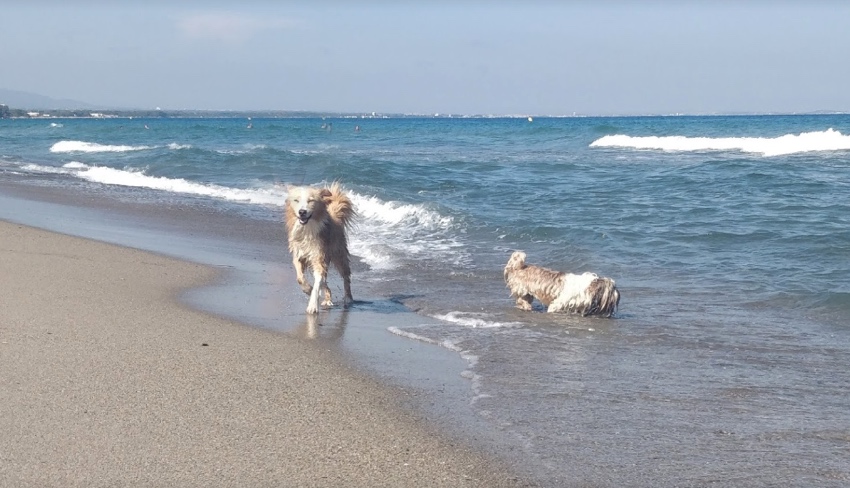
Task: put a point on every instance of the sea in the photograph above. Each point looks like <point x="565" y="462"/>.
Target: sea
<point x="727" y="362"/>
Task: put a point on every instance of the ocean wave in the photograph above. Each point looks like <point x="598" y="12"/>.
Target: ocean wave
<point x="137" y="178"/>
<point x="37" y="168"/>
<point x="416" y="337"/>
<point x="835" y="301"/>
<point x="320" y="149"/>
<point x="474" y="320"/>
<point x="390" y="232"/>
<point x="394" y="213"/>
<point x="246" y="149"/>
<point x="829" y="303"/>
<point x="91" y="147"/>
<point x="387" y="234"/>
<point x="828" y="140"/>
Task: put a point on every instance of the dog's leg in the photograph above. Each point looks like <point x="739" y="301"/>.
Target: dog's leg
<point x="313" y="302"/>
<point x="344" y="268"/>
<point x="320" y="277"/>
<point x="524" y="302"/>
<point x="300" y="265"/>
<point x="328" y="301"/>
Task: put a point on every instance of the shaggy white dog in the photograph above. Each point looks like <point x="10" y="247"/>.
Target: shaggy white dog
<point x="316" y="223"/>
<point x="586" y="294"/>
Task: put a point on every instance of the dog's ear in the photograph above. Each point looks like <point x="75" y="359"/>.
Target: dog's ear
<point x="325" y="194"/>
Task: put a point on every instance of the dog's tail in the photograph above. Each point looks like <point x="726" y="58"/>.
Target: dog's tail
<point x="604" y="297"/>
<point x="339" y="205"/>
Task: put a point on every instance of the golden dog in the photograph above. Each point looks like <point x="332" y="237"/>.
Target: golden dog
<point x="586" y="294"/>
<point x="316" y="224"/>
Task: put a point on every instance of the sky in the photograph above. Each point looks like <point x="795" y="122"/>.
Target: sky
<point x="602" y="57"/>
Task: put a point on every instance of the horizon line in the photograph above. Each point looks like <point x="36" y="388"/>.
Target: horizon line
<point x="376" y="114"/>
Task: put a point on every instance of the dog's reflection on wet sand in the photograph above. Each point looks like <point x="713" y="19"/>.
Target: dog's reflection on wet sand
<point x="327" y="326"/>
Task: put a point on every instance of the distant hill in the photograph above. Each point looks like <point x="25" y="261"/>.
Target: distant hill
<point x="33" y="101"/>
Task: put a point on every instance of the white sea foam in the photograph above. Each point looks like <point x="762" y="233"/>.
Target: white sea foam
<point x="112" y="176"/>
<point x="246" y="149"/>
<point x="410" y="335"/>
<point x="828" y="140"/>
<point x="474" y="320"/>
<point x="176" y="146"/>
<point x="137" y="178"/>
<point x="91" y="147"/>
<point x="388" y="232"/>
<point x="37" y="168"/>
<point x="395" y="213"/>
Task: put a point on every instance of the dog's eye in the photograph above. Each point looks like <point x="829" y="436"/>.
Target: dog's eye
<point x="311" y="200"/>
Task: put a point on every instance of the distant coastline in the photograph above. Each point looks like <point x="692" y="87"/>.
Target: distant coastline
<point x="7" y="112"/>
<point x="26" y="113"/>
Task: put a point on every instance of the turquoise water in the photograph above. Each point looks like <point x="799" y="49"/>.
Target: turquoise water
<point x="729" y="238"/>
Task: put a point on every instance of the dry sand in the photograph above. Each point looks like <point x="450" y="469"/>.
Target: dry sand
<point x="107" y="380"/>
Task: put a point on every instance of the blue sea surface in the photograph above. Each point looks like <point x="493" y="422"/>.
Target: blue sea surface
<point x="728" y="237"/>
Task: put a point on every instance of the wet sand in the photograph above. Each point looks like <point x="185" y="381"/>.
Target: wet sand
<point x="109" y="380"/>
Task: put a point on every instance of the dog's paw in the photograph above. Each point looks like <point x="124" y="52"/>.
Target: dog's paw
<point x="327" y="303"/>
<point x="312" y="309"/>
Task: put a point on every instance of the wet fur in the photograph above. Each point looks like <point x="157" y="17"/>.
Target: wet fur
<point x="585" y="294"/>
<point x="316" y="223"/>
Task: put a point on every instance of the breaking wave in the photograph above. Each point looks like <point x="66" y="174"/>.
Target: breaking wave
<point x="828" y="140"/>
<point x="388" y="233"/>
<point x="91" y="147"/>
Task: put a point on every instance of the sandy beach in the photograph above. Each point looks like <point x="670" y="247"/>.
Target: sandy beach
<point x="108" y="380"/>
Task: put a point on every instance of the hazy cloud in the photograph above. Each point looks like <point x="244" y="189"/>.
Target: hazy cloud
<point x="228" y="26"/>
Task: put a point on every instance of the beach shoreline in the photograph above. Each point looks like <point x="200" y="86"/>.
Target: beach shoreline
<point x="110" y="379"/>
<point x="256" y="287"/>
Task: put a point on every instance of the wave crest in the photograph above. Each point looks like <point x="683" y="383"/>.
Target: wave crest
<point x="399" y="231"/>
<point x="474" y="320"/>
<point x="387" y="234"/>
<point x="137" y="178"/>
<point x="828" y="140"/>
<point x="91" y="147"/>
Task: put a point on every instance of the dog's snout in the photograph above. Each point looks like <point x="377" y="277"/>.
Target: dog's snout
<point x="302" y="212"/>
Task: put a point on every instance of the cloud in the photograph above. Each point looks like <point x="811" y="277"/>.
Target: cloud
<point x="228" y="26"/>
